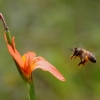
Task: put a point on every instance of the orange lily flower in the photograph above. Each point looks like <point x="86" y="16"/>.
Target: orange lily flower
<point x="29" y="62"/>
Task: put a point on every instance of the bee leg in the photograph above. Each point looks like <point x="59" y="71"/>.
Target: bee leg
<point x="82" y="63"/>
<point x="79" y="64"/>
<point x="72" y="56"/>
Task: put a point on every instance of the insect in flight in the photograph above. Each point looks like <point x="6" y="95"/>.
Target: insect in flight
<point x="83" y="54"/>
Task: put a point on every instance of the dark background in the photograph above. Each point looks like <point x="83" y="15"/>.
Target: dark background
<point x="49" y="28"/>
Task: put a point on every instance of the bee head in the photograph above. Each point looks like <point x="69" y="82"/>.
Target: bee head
<point x="76" y="51"/>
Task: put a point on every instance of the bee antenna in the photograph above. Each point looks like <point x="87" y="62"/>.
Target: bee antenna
<point x="70" y="49"/>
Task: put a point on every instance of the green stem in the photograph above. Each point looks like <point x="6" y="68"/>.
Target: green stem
<point x="8" y="36"/>
<point x="31" y="91"/>
<point x="4" y="23"/>
<point x="6" y="29"/>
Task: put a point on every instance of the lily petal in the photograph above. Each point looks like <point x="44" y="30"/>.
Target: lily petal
<point x="29" y="58"/>
<point x="15" y="54"/>
<point x="13" y="44"/>
<point x="46" y="66"/>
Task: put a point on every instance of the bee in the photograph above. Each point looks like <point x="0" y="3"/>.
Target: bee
<point x="83" y="54"/>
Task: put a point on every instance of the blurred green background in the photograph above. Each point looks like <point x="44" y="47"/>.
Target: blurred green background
<point x="49" y="28"/>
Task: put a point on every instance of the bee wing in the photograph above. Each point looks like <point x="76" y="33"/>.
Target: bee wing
<point x="71" y="49"/>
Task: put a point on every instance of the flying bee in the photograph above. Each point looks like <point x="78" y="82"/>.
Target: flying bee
<point x="83" y="54"/>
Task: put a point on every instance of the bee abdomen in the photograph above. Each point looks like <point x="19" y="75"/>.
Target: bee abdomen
<point x="92" y="58"/>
